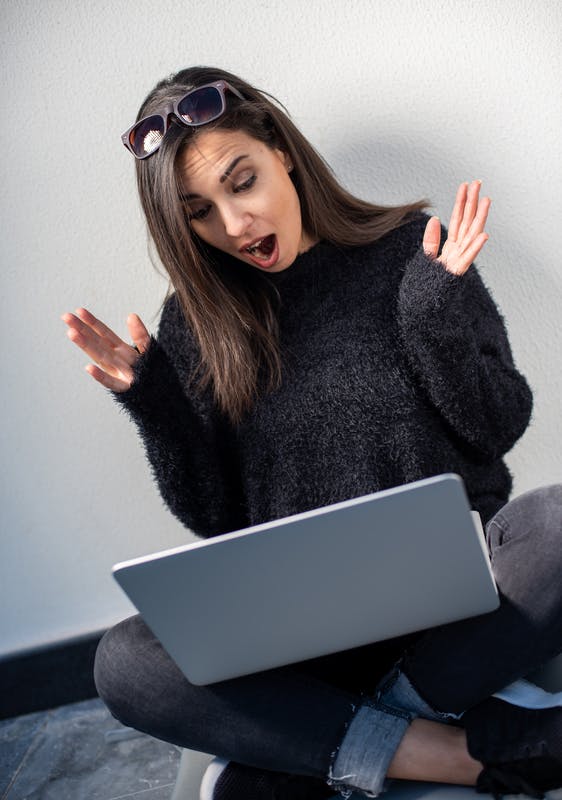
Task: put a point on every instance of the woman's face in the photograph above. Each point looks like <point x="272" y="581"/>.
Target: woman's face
<point x="241" y="199"/>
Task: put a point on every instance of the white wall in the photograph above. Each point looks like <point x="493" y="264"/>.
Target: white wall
<point x="405" y="99"/>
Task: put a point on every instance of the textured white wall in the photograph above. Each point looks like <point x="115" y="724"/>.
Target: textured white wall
<point x="404" y="99"/>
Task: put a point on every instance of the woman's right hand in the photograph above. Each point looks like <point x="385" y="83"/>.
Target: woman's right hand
<point x="114" y="358"/>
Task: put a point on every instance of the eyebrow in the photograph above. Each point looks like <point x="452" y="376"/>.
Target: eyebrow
<point x="230" y="167"/>
<point x="228" y="171"/>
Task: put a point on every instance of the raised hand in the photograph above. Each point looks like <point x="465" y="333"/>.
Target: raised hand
<point x="466" y="230"/>
<point x="114" y="358"/>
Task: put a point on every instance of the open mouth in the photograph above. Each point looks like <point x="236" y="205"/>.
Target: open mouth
<point x="263" y="248"/>
<point x="264" y="252"/>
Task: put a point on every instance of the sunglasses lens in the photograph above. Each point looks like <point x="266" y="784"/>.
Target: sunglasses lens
<point x="147" y="135"/>
<point x="200" y="106"/>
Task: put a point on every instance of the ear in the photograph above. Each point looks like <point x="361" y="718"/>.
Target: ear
<point x="285" y="158"/>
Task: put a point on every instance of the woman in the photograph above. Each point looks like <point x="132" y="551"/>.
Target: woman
<point x="317" y="348"/>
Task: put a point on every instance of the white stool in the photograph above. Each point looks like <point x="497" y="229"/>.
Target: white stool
<point x="193" y="764"/>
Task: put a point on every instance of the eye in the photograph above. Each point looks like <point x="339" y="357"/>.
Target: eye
<point x="201" y="213"/>
<point x="246" y="185"/>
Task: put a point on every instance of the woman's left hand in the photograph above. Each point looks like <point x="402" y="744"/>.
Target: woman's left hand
<point x="466" y="230"/>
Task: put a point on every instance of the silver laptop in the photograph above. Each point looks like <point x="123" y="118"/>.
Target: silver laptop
<point x="315" y="583"/>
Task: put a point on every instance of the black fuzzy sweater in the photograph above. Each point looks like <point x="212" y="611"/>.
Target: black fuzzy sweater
<point x="394" y="370"/>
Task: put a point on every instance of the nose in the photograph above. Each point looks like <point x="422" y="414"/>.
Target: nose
<point x="236" y="220"/>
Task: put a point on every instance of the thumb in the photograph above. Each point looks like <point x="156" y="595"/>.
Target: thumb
<point x="138" y="332"/>
<point x="432" y="238"/>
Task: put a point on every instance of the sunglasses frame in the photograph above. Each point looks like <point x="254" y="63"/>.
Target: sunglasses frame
<point x="171" y="110"/>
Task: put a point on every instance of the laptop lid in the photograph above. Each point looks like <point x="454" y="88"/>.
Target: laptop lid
<point x="315" y="583"/>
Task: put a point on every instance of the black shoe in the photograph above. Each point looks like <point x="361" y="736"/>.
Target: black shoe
<point x="520" y="748"/>
<point x="227" y="780"/>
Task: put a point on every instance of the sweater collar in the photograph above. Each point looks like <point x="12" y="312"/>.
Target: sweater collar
<point x="302" y="267"/>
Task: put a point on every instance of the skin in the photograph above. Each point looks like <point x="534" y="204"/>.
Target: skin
<point x="430" y="751"/>
<point x="231" y="209"/>
<point x="466" y="235"/>
<point x="258" y="198"/>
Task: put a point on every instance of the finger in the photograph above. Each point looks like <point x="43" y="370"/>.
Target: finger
<point x="138" y="332"/>
<point x="469" y="209"/>
<point x="109" y="381"/>
<point x="83" y="335"/>
<point x="98" y="326"/>
<point x="98" y="350"/>
<point x="458" y="211"/>
<point x="469" y="255"/>
<point x="432" y="238"/>
<point x="78" y="332"/>
<point x="479" y="221"/>
<point x="98" y="341"/>
<point x="74" y="322"/>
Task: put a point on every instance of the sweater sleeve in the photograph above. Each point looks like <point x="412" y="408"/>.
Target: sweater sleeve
<point x="456" y="343"/>
<point x="190" y="446"/>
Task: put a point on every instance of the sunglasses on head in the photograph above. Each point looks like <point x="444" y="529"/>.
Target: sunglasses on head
<point x="197" y="107"/>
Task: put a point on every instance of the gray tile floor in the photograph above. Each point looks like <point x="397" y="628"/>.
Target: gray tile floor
<point x="79" y="752"/>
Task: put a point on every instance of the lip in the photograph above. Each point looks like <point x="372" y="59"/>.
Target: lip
<point x="262" y="263"/>
<point x="254" y="241"/>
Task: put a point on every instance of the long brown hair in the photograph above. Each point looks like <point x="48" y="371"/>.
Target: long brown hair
<point x="228" y="305"/>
